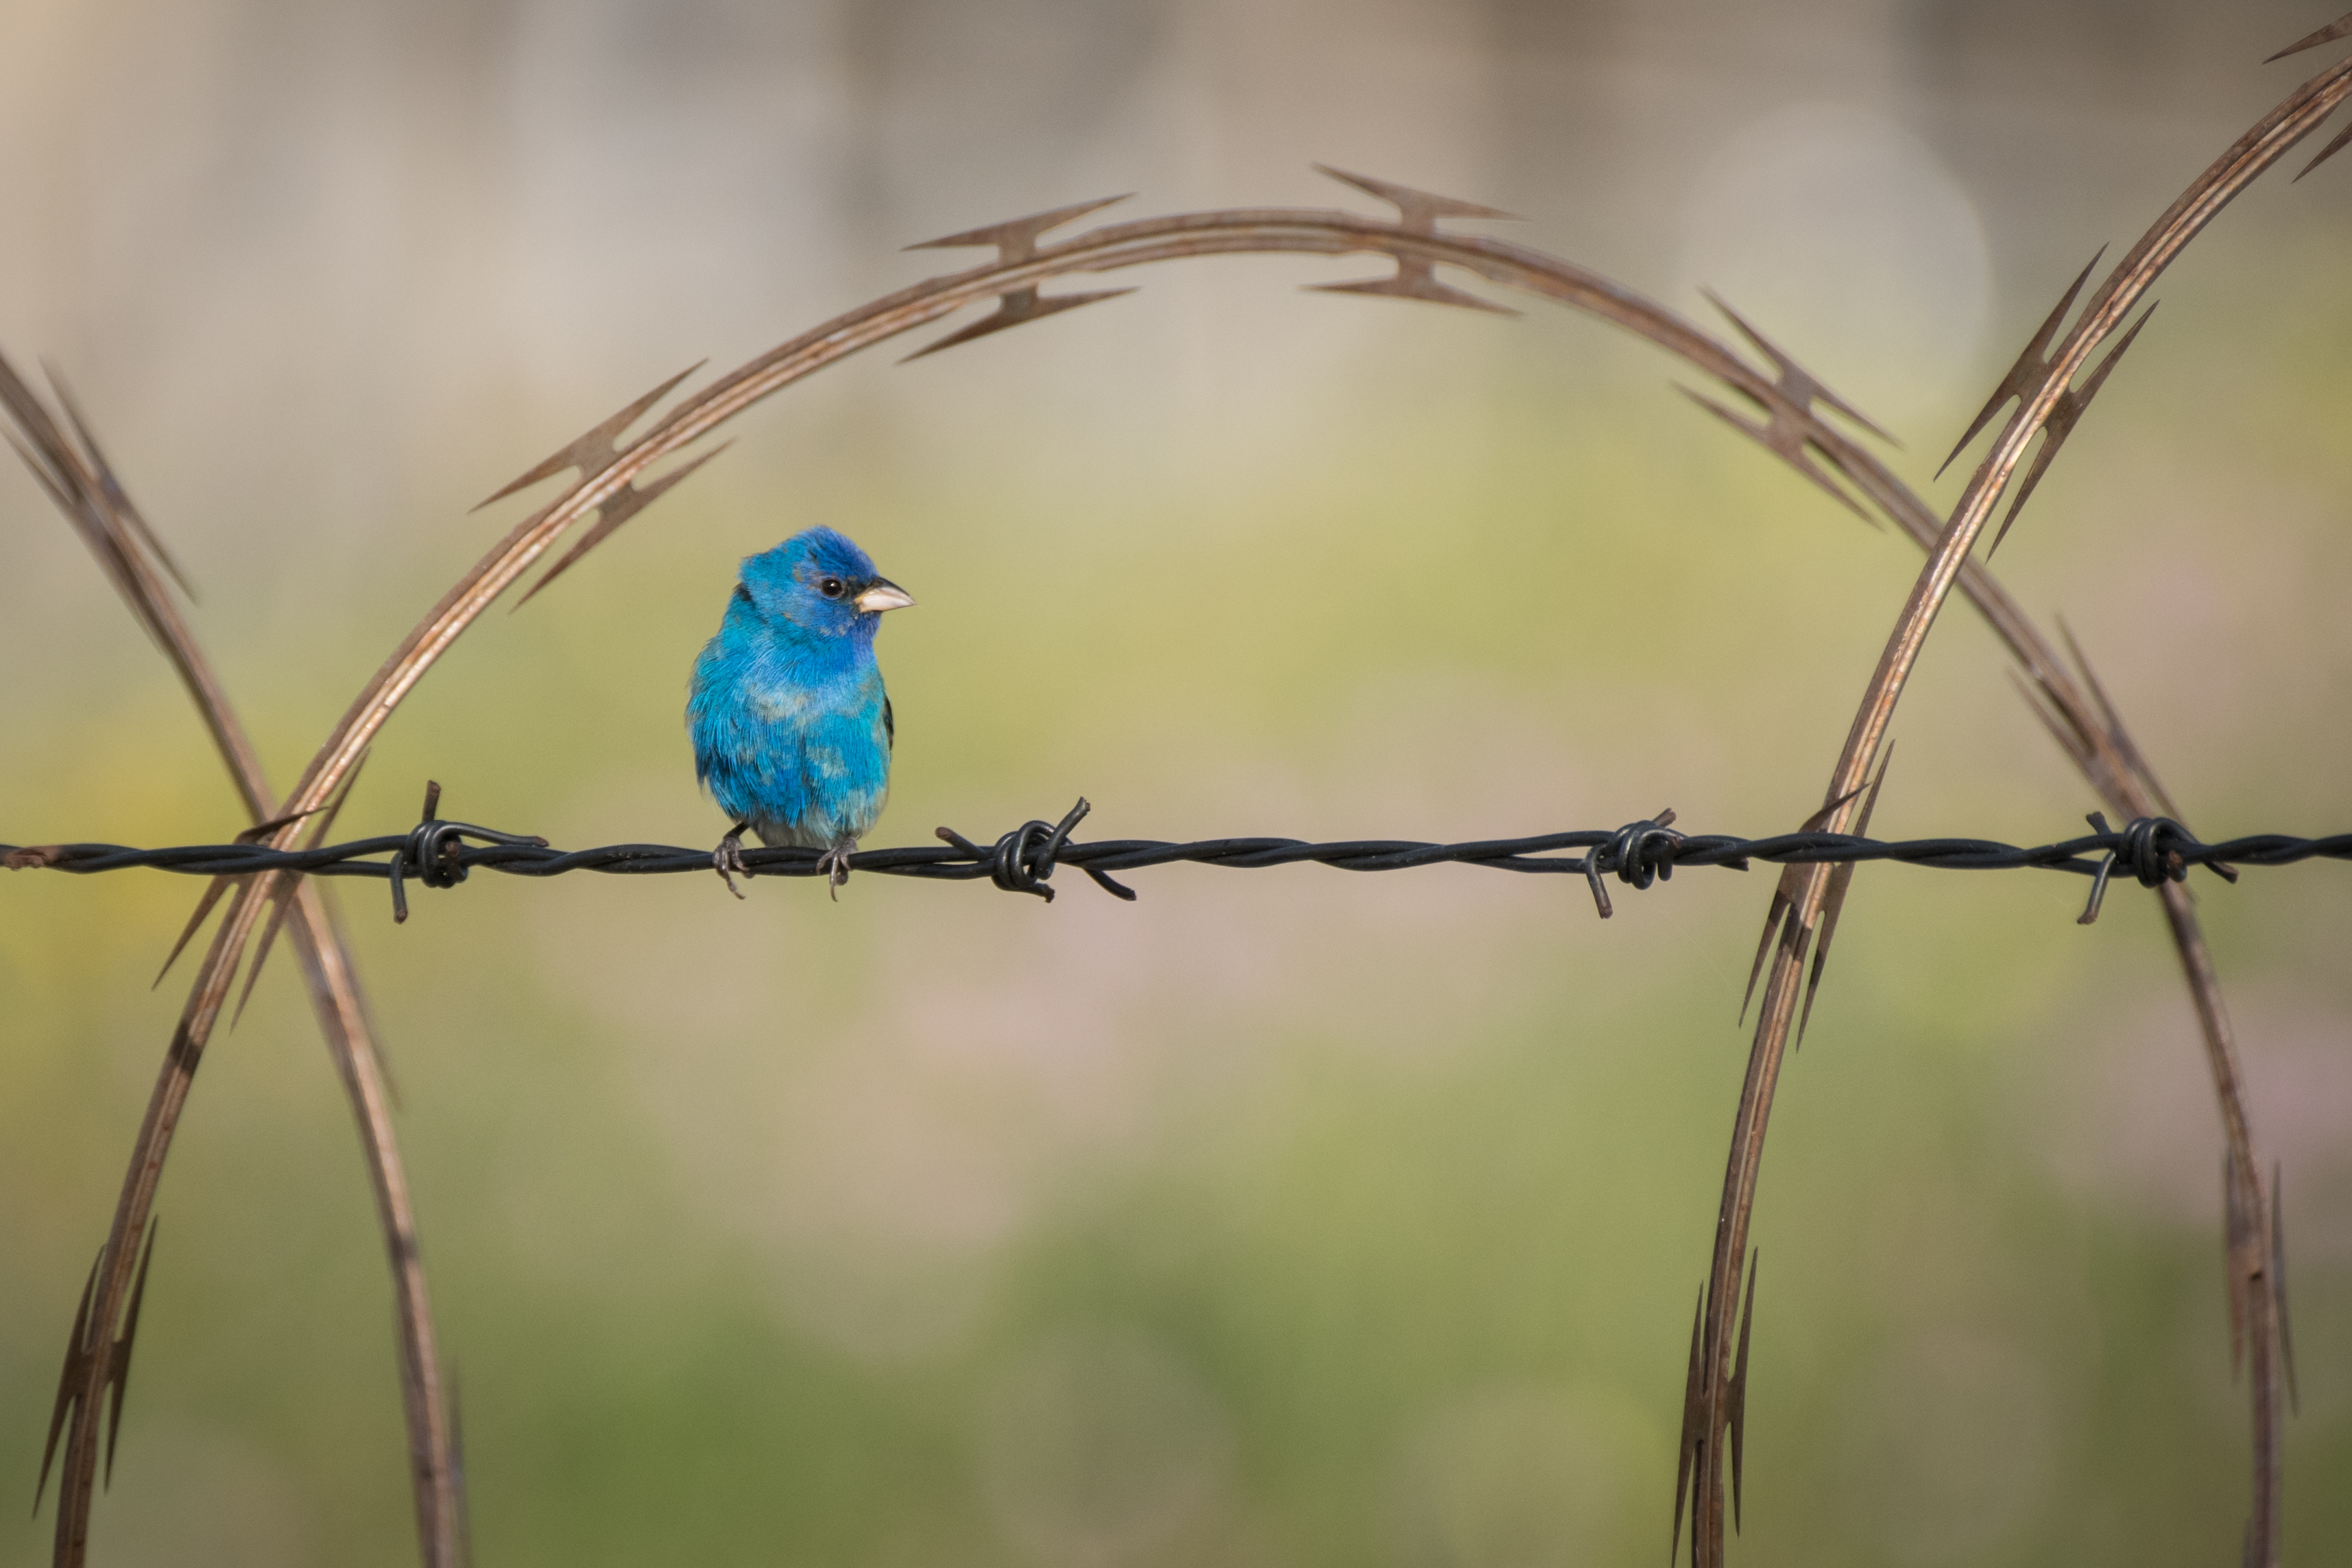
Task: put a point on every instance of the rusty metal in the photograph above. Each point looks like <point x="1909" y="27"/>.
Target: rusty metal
<point x="2341" y="28"/>
<point x="2030" y="368"/>
<point x="1416" y="275"/>
<point x="94" y="1345"/>
<point x="93" y="500"/>
<point x="1834" y="901"/>
<point x="1787" y="431"/>
<point x="2064" y="412"/>
<point x="1015" y="241"/>
<point x="2037" y="384"/>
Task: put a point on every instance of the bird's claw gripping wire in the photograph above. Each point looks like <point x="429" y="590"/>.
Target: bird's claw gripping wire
<point x="727" y="858"/>
<point x="1639" y="853"/>
<point x="433" y="847"/>
<point x="1023" y="860"/>
<point x="834" y="865"/>
<point x="2151" y="850"/>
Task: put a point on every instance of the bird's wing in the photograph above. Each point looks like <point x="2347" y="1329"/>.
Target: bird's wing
<point x="889" y="724"/>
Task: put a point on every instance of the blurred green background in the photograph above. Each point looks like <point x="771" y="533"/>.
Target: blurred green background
<point x="1281" y="1218"/>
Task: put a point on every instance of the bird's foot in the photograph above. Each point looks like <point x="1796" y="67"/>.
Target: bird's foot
<point x="834" y="863"/>
<point x="727" y="858"/>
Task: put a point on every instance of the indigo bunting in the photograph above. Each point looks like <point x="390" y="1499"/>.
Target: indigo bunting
<point x="792" y="731"/>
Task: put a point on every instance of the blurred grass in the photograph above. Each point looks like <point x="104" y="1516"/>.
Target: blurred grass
<point x="1285" y="1217"/>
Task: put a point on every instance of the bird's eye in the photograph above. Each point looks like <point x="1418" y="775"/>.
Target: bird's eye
<point x="831" y="587"/>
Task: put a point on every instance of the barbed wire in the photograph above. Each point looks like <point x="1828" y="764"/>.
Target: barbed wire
<point x="2149" y="850"/>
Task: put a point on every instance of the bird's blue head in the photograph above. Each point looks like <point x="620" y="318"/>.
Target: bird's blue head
<point x="821" y="582"/>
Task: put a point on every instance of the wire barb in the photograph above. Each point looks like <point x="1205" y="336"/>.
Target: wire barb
<point x="2329" y="34"/>
<point x="2031" y="367"/>
<point x="1790" y="432"/>
<point x="1735" y="1391"/>
<point x="618" y="508"/>
<point x="1692" y="1445"/>
<point x="89" y="1341"/>
<point x="1016" y="241"/>
<point x="594" y="452"/>
<point x="1833" y="901"/>
<point x="2063" y="414"/>
<point x="1780" y="920"/>
<point x="1417" y="213"/>
<point x="591" y="454"/>
<point x="1023" y="860"/>
<point x="2154" y="850"/>
<point x="1638" y="854"/>
<point x="2342" y="140"/>
<point x="433" y="850"/>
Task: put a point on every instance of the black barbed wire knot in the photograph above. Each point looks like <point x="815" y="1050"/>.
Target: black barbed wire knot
<point x="433" y="850"/>
<point x="2150" y="851"/>
<point x="1638" y="854"/>
<point x="1023" y="860"/>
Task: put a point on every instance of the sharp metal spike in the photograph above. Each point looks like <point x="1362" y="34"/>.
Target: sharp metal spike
<point x="595" y="451"/>
<point x="2053" y="435"/>
<point x="1786" y="441"/>
<point x="624" y="504"/>
<point x="118" y="1370"/>
<point x="213" y="891"/>
<point x="2122" y="737"/>
<point x="2064" y="412"/>
<point x="69" y="1380"/>
<point x="2343" y="138"/>
<point x="219" y="885"/>
<point x="2061" y="730"/>
<point x="1784" y="898"/>
<point x="282" y="899"/>
<point x="1016" y="238"/>
<point x="326" y="823"/>
<point x="2328" y="34"/>
<point x="2032" y="363"/>
<point x="1416" y="275"/>
<point x="1694" y="1432"/>
<point x="64" y="475"/>
<point x="1417" y="211"/>
<point x="1014" y="307"/>
<point x="1735" y="1396"/>
<point x="111" y="486"/>
<point x="1798" y="384"/>
<point x="260" y="830"/>
<point x="1833" y="901"/>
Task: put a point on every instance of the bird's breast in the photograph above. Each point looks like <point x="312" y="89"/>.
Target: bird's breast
<point x="795" y="685"/>
<point x="779" y="704"/>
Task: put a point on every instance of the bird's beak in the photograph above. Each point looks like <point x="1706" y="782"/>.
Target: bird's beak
<point x="882" y="594"/>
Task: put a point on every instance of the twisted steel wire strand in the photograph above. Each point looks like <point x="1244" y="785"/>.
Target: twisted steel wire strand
<point x="2150" y="850"/>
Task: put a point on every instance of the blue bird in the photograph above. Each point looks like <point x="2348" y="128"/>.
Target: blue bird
<point x="792" y="731"/>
